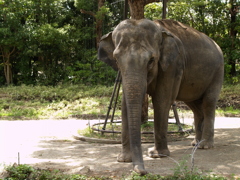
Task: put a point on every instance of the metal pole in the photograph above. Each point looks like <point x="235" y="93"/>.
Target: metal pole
<point x="174" y="107"/>
<point x="116" y="99"/>
<point x="112" y="98"/>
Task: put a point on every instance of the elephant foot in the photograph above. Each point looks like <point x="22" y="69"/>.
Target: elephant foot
<point x="204" y="144"/>
<point x="154" y="153"/>
<point x="194" y="142"/>
<point x="124" y="157"/>
<point x="140" y="170"/>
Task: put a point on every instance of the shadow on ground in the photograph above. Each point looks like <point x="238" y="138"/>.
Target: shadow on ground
<point x="100" y="159"/>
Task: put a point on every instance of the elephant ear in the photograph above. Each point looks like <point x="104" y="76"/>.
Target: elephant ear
<point x="105" y="51"/>
<point x="169" y="50"/>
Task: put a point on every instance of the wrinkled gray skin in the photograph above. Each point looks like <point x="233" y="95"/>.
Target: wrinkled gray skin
<point x="170" y="61"/>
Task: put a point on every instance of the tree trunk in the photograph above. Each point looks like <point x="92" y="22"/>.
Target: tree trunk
<point x="164" y="9"/>
<point x="8" y="71"/>
<point x="6" y="54"/>
<point x="137" y="8"/>
<point x="233" y="34"/>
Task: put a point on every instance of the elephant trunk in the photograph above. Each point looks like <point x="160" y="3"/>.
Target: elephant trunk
<point x="134" y="89"/>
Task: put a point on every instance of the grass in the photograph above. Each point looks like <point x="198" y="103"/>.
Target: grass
<point x="41" y="102"/>
<point x="24" y="172"/>
<point x="181" y="172"/>
<point x="80" y="101"/>
<point x="229" y="101"/>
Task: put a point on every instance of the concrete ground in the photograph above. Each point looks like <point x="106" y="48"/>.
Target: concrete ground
<point x="49" y="144"/>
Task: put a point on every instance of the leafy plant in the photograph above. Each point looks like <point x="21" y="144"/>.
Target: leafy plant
<point x="25" y="172"/>
<point x="19" y="172"/>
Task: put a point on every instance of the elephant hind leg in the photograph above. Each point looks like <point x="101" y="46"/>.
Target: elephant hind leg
<point x="196" y="107"/>
<point x="209" y="106"/>
<point x="204" y="117"/>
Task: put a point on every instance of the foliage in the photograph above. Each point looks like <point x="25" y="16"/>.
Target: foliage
<point x="51" y="42"/>
<point x="181" y="172"/>
<point x="212" y="17"/>
<point x="23" y="172"/>
<point x="153" y="11"/>
<point x="44" y="42"/>
<point x="20" y="172"/>
<point x="174" y="177"/>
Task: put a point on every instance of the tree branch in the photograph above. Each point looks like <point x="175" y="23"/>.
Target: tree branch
<point x="12" y="51"/>
<point x="146" y="1"/>
<point x="150" y="1"/>
<point x="88" y="12"/>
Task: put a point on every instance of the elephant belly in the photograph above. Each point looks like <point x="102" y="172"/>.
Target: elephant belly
<point x="190" y="91"/>
<point x="199" y="78"/>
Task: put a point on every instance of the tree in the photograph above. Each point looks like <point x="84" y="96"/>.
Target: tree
<point x="38" y="37"/>
<point x="98" y="15"/>
<point x="137" y="8"/>
<point x="233" y="11"/>
<point x="218" y="19"/>
<point x="11" y="28"/>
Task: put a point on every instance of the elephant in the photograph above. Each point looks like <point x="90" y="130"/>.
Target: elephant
<point x="170" y="61"/>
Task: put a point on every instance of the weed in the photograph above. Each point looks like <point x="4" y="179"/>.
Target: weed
<point x="181" y="172"/>
<point x="19" y="172"/>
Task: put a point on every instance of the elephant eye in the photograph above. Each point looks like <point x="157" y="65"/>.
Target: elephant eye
<point x="150" y="62"/>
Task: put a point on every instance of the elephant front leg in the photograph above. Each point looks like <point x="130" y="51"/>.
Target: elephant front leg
<point x="198" y="123"/>
<point x="160" y="132"/>
<point x="125" y="155"/>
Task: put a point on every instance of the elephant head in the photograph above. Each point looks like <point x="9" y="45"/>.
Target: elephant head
<point x="140" y="49"/>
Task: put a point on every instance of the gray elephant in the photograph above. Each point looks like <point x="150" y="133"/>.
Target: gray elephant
<point x="169" y="61"/>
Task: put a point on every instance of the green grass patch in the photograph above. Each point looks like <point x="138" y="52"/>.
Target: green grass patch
<point x="181" y="172"/>
<point x="24" y="172"/>
<point x="60" y="102"/>
<point x="228" y="112"/>
<point x="229" y="101"/>
<point x="85" y="102"/>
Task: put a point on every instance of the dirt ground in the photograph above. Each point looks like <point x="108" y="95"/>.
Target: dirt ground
<point x="48" y="144"/>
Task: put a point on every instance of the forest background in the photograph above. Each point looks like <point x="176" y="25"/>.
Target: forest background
<point x="52" y="42"/>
